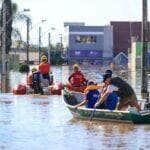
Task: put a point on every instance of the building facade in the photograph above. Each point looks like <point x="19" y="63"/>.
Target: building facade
<point x="89" y="43"/>
<point x="135" y="56"/>
<point x="123" y="33"/>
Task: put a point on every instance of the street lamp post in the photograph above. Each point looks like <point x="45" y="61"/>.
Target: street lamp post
<point x="28" y="38"/>
<point x="39" y="44"/>
<point x="40" y="31"/>
<point x="49" y="45"/>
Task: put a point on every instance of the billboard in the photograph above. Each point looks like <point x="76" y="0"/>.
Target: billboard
<point x="85" y="54"/>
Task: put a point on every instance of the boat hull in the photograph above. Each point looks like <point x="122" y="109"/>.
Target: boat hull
<point x="105" y="115"/>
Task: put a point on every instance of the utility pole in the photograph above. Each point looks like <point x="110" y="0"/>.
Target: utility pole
<point x="39" y="44"/>
<point x="144" y="58"/>
<point x="49" y="47"/>
<point x="6" y="42"/>
<point x="28" y="38"/>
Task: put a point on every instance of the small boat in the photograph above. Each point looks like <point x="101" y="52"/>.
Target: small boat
<point x="73" y="98"/>
<point x="54" y="89"/>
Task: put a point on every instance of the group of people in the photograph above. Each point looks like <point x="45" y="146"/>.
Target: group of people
<point x="40" y="77"/>
<point x="113" y="93"/>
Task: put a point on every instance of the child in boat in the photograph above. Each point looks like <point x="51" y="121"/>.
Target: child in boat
<point x="92" y="96"/>
<point x="77" y="79"/>
<point x="44" y="69"/>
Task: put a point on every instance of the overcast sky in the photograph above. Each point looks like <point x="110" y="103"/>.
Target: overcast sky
<point x="92" y="12"/>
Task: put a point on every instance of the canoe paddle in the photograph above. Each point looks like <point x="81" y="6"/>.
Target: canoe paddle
<point x="92" y="114"/>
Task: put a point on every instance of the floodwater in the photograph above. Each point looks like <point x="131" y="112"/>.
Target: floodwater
<point x="44" y="123"/>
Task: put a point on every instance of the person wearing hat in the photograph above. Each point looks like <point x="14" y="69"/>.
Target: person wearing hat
<point x="109" y="98"/>
<point x="29" y="79"/>
<point x="34" y="81"/>
<point x="77" y="79"/>
<point x="44" y="68"/>
<point x="92" y="96"/>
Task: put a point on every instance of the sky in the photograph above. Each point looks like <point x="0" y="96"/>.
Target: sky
<point x="92" y="12"/>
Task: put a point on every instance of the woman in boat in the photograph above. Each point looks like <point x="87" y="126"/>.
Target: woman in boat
<point x="77" y="80"/>
<point x="109" y="98"/>
<point x="92" y="96"/>
<point x="44" y="68"/>
<point x="127" y="96"/>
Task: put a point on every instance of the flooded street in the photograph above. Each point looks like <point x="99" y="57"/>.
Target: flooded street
<point x="44" y="123"/>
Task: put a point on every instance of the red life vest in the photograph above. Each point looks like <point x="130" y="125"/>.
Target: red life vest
<point x="44" y="68"/>
<point x="77" y="79"/>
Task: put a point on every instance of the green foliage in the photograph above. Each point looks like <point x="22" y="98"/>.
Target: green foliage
<point x="24" y="68"/>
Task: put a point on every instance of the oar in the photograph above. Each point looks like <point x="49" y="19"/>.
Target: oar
<point x="92" y="114"/>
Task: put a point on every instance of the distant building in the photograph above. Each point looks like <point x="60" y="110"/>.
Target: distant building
<point x="89" y="43"/>
<point x="74" y="24"/>
<point x="122" y="34"/>
<point x="135" y="56"/>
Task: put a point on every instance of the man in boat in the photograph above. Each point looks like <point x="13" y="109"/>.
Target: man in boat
<point x="44" y="69"/>
<point x="34" y="81"/>
<point x="92" y="96"/>
<point x="124" y="91"/>
<point x="109" y="98"/>
<point x="77" y="79"/>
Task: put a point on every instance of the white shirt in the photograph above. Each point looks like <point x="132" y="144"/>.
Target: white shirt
<point x="111" y="88"/>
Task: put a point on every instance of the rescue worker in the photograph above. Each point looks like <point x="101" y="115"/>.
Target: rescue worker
<point x="44" y="69"/>
<point x="77" y="79"/>
<point x="29" y="79"/>
<point x="34" y="81"/>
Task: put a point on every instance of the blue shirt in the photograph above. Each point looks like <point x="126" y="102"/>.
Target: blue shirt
<point x="111" y="101"/>
<point x="92" y="97"/>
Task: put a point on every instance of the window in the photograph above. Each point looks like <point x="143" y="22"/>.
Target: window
<point x="85" y="39"/>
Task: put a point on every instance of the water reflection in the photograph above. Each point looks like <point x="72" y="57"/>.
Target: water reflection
<point x="37" y="122"/>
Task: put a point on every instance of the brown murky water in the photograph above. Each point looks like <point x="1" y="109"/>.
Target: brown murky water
<point x="44" y="123"/>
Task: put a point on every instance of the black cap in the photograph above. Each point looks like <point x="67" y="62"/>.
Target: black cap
<point x="105" y="76"/>
<point x="109" y="72"/>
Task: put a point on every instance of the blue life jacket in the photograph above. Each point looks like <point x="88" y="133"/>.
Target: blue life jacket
<point x="36" y="78"/>
<point x="111" y="101"/>
<point x="92" y="97"/>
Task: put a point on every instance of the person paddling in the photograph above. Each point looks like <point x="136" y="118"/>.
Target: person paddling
<point x="109" y="98"/>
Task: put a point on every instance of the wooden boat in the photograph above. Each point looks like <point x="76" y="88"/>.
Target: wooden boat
<point x="73" y="98"/>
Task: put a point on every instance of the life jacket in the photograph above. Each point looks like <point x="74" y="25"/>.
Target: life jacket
<point x="77" y="79"/>
<point x="44" y="68"/>
<point x="36" y="79"/>
<point x="92" y="96"/>
<point x="92" y="87"/>
<point x="29" y="80"/>
<point x="111" y="101"/>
